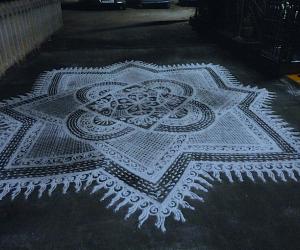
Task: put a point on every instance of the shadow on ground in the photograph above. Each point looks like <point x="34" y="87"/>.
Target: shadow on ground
<point x="234" y="216"/>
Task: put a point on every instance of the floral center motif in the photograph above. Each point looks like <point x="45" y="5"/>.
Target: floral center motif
<point x="137" y="105"/>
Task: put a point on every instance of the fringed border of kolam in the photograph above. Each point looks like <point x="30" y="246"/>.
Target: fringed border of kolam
<point x="199" y="176"/>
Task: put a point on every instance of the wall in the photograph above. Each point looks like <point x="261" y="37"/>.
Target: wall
<point x="24" y="25"/>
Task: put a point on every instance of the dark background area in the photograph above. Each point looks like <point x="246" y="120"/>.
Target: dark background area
<point x="234" y="216"/>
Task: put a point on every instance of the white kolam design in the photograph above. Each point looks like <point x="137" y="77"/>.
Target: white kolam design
<point x="149" y="135"/>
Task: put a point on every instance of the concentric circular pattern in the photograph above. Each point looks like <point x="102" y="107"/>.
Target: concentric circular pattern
<point x="87" y="126"/>
<point x="195" y="116"/>
<point x="162" y="106"/>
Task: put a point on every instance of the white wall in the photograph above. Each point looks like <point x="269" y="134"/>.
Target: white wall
<point x="24" y="25"/>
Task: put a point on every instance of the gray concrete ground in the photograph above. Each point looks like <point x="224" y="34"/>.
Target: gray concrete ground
<point x="235" y="216"/>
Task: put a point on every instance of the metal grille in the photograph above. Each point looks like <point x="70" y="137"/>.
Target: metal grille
<point x="281" y="37"/>
<point x="274" y="24"/>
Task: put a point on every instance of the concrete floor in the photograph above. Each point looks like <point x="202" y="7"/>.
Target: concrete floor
<point x="235" y="216"/>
